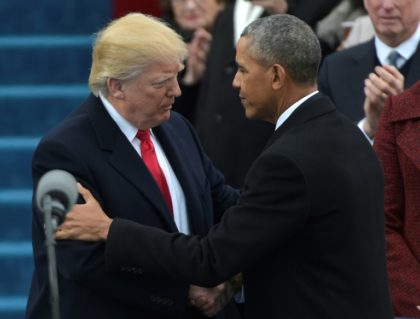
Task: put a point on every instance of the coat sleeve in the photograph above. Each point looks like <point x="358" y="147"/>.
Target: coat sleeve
<point x="271" y="208"/>
<point x="82" y="262"/>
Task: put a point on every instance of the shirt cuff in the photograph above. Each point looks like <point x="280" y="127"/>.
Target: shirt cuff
<point x="360" y="125"/>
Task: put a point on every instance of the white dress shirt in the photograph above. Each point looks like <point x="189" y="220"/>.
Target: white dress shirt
<point x="286" y="114"/>
<point x="177" y="194"/>
<point x="406" y="49"/>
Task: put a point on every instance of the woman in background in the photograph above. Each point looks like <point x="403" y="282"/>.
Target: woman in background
<point x="193" y="19"/>
<point x="397" y="143"/>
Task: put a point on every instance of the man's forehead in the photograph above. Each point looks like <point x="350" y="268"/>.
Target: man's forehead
<point x="164" y="67"/>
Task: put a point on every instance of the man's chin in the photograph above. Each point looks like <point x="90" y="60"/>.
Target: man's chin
<point x="167" y="114"/>
<point x="249" y="114"/>
<point x="163" y="117"/>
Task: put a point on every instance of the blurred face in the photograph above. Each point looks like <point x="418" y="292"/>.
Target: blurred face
<point x="147" y="99"/>
<point x="193" y="14"/>
<point x="254" y="82"/>
<point x="394" y="20"/>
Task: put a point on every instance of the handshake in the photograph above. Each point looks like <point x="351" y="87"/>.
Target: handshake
<point x="88" y="222"/>
<point x="210" y="300"/>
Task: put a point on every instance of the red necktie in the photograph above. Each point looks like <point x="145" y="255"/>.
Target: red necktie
<point x="150" y="160"/>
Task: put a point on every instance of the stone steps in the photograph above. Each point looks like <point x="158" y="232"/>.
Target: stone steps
<point x="45" y="56"/>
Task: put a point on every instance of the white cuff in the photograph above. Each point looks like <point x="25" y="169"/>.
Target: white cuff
<point x="360" y="125"/>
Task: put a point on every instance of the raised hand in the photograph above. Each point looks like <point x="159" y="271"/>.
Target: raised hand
<point x="198" y="49"/>
<point x="384" y="82"/>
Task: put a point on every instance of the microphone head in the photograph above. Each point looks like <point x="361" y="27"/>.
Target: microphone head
<point x="60" y="185"/>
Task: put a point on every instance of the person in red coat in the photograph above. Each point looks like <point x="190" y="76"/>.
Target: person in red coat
<point x="397" y="145"/>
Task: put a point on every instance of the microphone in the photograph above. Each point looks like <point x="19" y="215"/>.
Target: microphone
<point x="56" y="194"/>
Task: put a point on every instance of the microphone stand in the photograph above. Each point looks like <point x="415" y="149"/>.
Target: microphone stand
<point x="50" y="228"/>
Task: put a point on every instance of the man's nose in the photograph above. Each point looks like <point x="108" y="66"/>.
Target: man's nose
<point x="236" y="81"/>
<point x="175" y="90"/>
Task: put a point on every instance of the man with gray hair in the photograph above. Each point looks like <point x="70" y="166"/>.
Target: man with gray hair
<point x="302" y="233"/>
<point x="359" y="79"/>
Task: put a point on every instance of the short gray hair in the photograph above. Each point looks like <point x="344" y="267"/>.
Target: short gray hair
<point x="286" y="40"/>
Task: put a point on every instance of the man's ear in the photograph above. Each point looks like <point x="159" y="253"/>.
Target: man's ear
<point x="279" y="76"/>
<point x="115" y="88"/>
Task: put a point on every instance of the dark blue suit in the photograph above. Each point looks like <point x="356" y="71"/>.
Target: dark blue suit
<point x="342" y="76"/>
<point x="89" y="145"/>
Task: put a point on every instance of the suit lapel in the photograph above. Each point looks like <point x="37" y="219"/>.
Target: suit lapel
<point x="171" y="145"/>
<point x="124" y="158"/>
<point x="407" y="138"/>
<point x="408" y="107"/>
<point x="365" y="60"/>
<point x="405" y="115"/>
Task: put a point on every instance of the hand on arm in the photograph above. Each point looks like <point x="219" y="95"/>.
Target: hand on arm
<point x="381" y="84"/>
<point x="210" y="300"/>
<point x="86" y="222"/>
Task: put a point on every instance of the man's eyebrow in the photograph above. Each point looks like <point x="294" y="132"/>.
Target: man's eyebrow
<point x="239" y="66"/>
<point x="165" y="79"/>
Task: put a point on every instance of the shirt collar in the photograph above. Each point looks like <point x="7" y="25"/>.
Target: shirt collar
<point x="286" y="114"/>
<point x="406" y="49"/>
<point x="126" y="127"/>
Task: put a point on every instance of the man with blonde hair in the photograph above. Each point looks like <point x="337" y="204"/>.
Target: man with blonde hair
<point x="144" y="163"/>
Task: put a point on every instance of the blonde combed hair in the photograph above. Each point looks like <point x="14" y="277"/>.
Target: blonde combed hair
<point x="129" y="44"/>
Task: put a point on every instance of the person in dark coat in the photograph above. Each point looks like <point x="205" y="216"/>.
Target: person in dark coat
<point x="308" y="229"/>
<point x="194" y="21"/>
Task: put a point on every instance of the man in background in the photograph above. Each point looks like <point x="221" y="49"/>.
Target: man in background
<point x="360" y="79"/>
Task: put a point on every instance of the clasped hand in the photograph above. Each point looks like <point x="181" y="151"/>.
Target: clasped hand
<point x="210" y="300"/>
<point x="384" y="82"/>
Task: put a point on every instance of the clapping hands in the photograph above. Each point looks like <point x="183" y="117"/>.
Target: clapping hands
<point x="384" y="82"/>
<point x="198" y="50"/>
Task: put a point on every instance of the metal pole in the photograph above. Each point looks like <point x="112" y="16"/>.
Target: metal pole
<point x="52" y="266"/>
